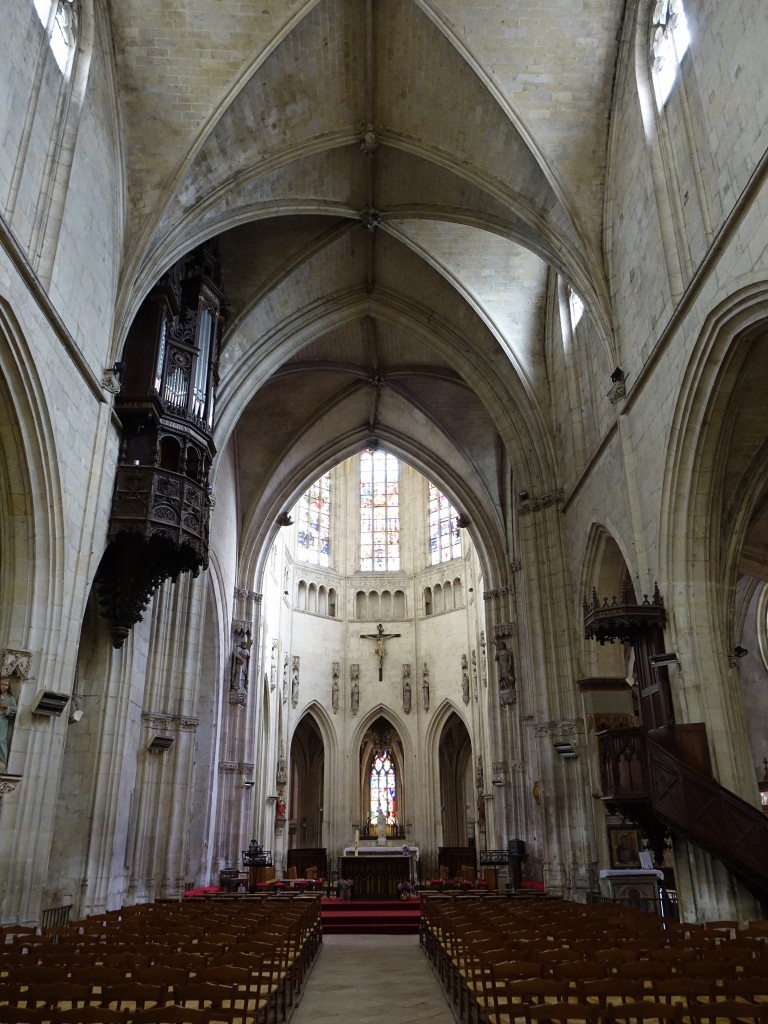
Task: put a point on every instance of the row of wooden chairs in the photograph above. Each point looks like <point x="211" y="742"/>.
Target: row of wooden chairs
<point x="163" y="962"/>
<point x="493" y="955"/>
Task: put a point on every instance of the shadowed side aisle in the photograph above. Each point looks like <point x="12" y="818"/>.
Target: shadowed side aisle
<point x="355" y="977"/>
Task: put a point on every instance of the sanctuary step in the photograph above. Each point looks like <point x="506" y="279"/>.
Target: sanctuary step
<point x="370" y="917"/>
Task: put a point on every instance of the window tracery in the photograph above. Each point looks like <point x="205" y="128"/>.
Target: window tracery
<point x="444" y="533"/>
<point x="313" y="523"/>
<point x="61" y="16"/>
<point x="383" y="787"/>
<point x="670" y="39"/>
<point x="379" y="512"/>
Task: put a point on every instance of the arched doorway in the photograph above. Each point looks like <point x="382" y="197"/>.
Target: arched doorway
<point x="307" y="786"/>
<point x="456" y="788"/>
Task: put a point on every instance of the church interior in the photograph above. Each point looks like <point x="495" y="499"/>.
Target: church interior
<point x="383" y="446"/>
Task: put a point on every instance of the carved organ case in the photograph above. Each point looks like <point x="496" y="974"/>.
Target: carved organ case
<point x="158" y="524"/>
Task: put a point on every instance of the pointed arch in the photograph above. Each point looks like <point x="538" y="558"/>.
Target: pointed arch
<point x="715" y="491"/>
<point x="605" y="571"/>
<point x="32" y="530"/>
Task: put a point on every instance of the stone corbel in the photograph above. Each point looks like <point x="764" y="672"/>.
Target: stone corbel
<point x="15" y="663"/>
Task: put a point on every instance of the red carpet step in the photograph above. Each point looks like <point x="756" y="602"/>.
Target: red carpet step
<point x="370" y="917"/>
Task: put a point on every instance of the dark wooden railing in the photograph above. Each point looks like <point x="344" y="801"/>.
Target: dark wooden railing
<point x="55" y="917"/>
<point x="640" y="777"/>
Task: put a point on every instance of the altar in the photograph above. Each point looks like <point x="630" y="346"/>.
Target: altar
<point x="376" y="875"/>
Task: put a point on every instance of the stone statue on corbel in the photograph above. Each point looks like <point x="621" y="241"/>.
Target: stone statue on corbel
<point x="502" y="641"/>
<point x="354" y="672"/>
<point x="273" y="666"/>
<point x="241" y="657"/>
<point x="407" y="689"/>
<point x="295" y="681"/>
<point x="285" y="678"/>
<point x="425" y="687"/>
<point x="281" y="774"/>
<point x="14" y="663"/>
<point x="335" y="687"/>
<point x="464" y="679"/>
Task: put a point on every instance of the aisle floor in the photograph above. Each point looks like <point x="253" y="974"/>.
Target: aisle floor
<point x="359" y="978"/>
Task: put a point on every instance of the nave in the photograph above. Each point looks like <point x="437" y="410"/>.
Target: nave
<point x="362" y="977"/>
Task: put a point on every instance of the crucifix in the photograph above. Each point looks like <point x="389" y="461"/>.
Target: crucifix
<point x="378" y="644"/>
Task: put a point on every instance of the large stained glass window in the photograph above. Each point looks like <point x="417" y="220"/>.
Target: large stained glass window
<point x="313" y="519"/>
<point x="444" y="533"/>
<point x="379" y="511"/>
<point x="383" y="788"/>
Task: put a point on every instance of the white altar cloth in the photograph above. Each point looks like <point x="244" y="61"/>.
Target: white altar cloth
<point x="383" y="851"/>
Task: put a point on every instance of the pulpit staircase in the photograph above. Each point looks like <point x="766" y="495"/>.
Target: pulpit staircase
<point x="644" y="781"/>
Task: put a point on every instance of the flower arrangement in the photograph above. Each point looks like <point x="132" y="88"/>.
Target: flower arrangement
<point x="344" y="888"/>
<point x="405" y="887"/>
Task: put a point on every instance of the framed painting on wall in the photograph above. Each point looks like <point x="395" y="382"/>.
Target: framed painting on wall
<point x="625" y="847"/>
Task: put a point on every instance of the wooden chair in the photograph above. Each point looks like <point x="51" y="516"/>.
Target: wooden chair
<point x="713" y="970"/>
<point x="612" y="957"/>
<point x="37" y="975"/>
<point x="576" y="971"/>
<point x="166" y="977"/>
<point x="646" y="971"/>
<point x="10" y="1014"/>
<point x="728" y="1010"/>
<point x="682" y="990"/>
<point x="221" y="1002"/>
<point x="60" y="995"/>
<point x="561" y="1012"/>
<point x="610" y="991"/>
<point x="91" y="1015"/>
<point x="99" y="976"/>
<point x="644" y="1010"/>
<point x="172" y="1014"/>
<point x="751" y="987"/>
<point x="490" y="997"/>
<point x="133" y="995"/>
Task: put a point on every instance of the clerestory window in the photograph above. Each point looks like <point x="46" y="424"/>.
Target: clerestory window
<point x="379" y="512"/>
<point x="670" y="39"/>
<point x="313" y="523"/>
<point x="444" y="533"/>
<point x="59" y="18"/>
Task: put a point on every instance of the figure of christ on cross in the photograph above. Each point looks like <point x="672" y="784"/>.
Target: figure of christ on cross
<point x="379" y="648"/>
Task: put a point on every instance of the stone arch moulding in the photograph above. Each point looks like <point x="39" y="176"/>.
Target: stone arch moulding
<point x="437" y="720"/>
<point x="701" y="561"/>
<point x="603" y="567"/>
<point x="695" y="462"/>
<point x="34" y="463"/>
<point x="399" y="723"/>
<point x="325" y="727"/>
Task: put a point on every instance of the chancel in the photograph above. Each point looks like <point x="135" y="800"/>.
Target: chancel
<point x="383" y="462"/>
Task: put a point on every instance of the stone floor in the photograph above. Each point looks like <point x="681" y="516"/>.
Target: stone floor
<point x="361" y="979"/>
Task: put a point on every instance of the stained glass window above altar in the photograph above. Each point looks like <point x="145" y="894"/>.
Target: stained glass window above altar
<point x="383" y="789"/>
<point x="379" y="512"/>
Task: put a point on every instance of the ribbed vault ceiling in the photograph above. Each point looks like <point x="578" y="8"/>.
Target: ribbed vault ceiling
<point x="391" y="182"/>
